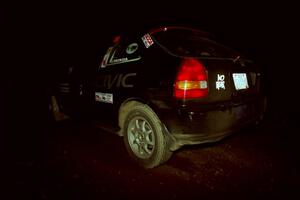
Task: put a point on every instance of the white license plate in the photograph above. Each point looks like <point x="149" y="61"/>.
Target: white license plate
<point x="240" y="81"/>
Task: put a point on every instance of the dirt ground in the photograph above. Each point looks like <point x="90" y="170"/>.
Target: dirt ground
<point x="77" y="160"/>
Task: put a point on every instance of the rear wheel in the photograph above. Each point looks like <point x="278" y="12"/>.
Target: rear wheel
<point x="144" y="137"/>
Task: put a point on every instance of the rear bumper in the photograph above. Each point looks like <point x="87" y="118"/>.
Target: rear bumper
<point x="187" y="127"/>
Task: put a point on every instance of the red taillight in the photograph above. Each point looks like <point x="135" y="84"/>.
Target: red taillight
<point x="191" y="80"/>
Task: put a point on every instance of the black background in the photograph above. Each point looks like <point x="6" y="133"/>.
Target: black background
<point x="38" y="37"/>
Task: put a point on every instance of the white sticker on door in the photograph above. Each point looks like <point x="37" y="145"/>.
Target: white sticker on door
<point x="104" y="97"/>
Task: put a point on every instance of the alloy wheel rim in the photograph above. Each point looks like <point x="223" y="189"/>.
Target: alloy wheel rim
<point x="141" y="137"/>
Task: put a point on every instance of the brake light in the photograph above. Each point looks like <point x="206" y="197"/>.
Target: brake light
<point x="191" y="80"/>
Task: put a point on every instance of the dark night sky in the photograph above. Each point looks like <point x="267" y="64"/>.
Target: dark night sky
<point x="37" y="37"/>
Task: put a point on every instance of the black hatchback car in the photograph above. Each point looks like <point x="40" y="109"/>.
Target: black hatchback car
<point x="165" y="88"/>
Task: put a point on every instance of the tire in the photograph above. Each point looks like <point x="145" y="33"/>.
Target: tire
<point x="144" y="137"/>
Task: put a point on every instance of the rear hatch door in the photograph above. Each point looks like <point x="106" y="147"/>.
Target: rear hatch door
<point x="231" y="79"/>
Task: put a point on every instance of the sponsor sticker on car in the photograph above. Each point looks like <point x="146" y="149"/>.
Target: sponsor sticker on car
<point x="132" y="48"/>
<point x="104" y="97"/>
<point x="147" y="40"/>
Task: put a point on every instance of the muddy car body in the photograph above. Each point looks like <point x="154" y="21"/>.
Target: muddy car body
<point x="166" y="88"/>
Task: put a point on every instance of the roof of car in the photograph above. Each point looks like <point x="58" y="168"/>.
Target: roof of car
<point x="167" y="28"/>
<point x="138" y="31"/>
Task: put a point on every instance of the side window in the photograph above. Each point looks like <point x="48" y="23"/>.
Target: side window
<point x="124" y="53"/>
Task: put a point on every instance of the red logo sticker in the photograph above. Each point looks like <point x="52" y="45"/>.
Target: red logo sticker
<point x="147" y="40"/>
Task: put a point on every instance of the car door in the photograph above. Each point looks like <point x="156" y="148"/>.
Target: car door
<point x="117" y="75"/>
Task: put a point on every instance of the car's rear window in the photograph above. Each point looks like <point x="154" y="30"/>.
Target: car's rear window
<point x="186" y="42"/>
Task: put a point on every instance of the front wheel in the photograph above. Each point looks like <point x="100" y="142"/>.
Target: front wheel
<point x="145" y="137"/>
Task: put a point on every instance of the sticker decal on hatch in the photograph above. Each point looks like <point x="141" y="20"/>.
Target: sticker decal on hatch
<point x="147" y="40"/>
<point x="220" y="83"/>
<point x="104" y="97"/>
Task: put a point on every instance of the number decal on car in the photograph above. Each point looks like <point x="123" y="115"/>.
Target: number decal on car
<point x="220" y="83"/>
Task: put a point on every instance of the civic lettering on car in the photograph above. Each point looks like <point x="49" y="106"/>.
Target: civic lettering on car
<point x="118" y="80"/>
<point x="220" y="83"/>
